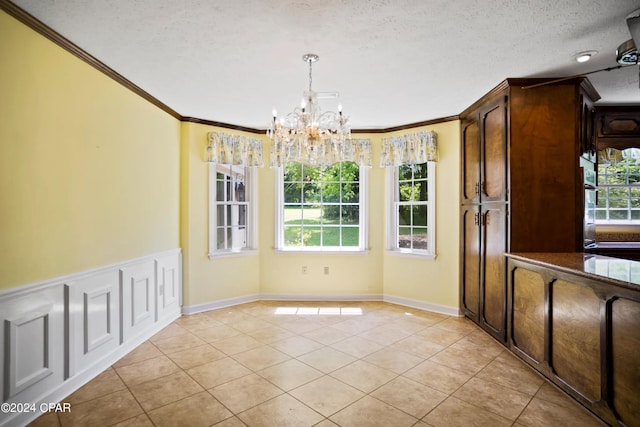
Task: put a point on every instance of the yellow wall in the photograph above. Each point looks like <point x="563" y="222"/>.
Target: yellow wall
<point x="207" y="280"/>
<point x="89" y="171"/>
<point x="435" y="281"/>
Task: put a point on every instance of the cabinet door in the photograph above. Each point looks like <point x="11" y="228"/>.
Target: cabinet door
<point x="587" y="135"/>
<point x="493" y="284"/>
<point x="470" y="292"/>
<point x="470" y="162"/>
<point x="493" y="140"/>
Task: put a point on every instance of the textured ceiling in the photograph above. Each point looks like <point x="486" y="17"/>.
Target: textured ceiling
<point x="392" y="61"/>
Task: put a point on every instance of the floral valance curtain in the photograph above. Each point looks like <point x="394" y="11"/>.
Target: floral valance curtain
<point x="322" y="153"/>
<point x="409" y="149"/>
<point x="234" y="150"/>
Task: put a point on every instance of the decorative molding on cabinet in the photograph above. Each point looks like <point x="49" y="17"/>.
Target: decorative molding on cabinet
<point x="60" y="333"/>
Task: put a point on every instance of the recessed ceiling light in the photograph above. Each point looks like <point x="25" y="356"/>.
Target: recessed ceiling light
<point x="585" y="56"/>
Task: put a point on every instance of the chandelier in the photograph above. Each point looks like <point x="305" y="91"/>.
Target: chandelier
<point x="310" y="136"/>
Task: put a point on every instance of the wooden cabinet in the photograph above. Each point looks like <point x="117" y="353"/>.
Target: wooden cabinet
<point x="484" y="154"/>
<point x="484" y="288"/>
<point x="617" y="126"/>
<point x="522" y="187"/>
<point x="582" y="333"/>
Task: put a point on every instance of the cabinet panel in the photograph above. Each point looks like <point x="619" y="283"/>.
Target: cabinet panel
<point x="494" y="152"/>
<point x="470" y="162"/>
<point x="528" y="313"/>
<point x="471" y="261"/>
<point x="575" y="337"/>
<point x="494" y="245"/>
<point x="625" y="342"/>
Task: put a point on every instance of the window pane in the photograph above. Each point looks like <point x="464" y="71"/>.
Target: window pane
<point x="310" y="173"/>
<point x="350" y="236"/>
<point x="619" y="192"/>
<point x="350" y="192"/>
<point x="331" y="236"/>
<point x="419" y="191"/>
<point x="220" y="215"/>
<point x="220" y="190"/>
<point x="312" y="214"/>
<point x="405" y="172"/>
<point x="420" y="238"/>
<point x="601" y="214"/>
<point x="406" y="191"/>
<point x="350" y="172"/>
<point x="293" y="235"/>
<point x="240" y="191"/>
<point x="420" y="171"/>
<point x="311" y="193"/>
<point x="331" y="193"/>
<point x="292" y="215"/>
<point x="350" y="214"/>
<point x="618" y="214"/>
<point x="635" y="214"/>
<point x="404" y="237"/>
<point x="312" y="236"/>
<point x="420" y="215"/>
<point x="404" y="215"/>
<point x="242" y="215"/>
<point x="220" y="238"/>
<point x="618" y="203"/>
<point x="330" y="214"/>
<point x="292" y="192"/>
<point x="292" y="172"/>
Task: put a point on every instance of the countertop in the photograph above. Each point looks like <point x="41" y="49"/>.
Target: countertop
<point x="615" y="271"/>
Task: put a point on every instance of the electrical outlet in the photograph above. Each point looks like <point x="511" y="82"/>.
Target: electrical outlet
<point x="326" y="270"/>
<point x="304" y="269"/>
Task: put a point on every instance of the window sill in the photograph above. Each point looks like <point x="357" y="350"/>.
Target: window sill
<point x="232" y="254"/>
<point x="322" y="252"/>
<point x="407" y="254"/>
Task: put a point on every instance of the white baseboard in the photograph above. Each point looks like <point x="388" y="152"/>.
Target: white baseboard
<point x="422" y="305"/>
<point x="407" y="302"/>
<point x="320" y="297"/>
<point x="214" y="305"/>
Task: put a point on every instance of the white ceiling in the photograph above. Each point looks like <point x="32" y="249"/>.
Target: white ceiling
<point x="393" y="62"/>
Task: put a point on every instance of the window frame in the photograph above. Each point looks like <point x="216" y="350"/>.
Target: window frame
<point x="603" y="194"/>
<point x="363" y="219"/>
<point x="251" y="224"/>
<point x="393" y="220"/>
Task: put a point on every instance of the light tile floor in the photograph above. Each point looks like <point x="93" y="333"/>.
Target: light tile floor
<point x="319" y="364"/>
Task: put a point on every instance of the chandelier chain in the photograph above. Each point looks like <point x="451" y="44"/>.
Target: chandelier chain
<point x="310" y="78"/>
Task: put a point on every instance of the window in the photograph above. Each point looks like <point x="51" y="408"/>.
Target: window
<point x="231" y="209"/>
<point x="321" y="208"/>
<point x="412" y="209"/>
<point x="618" y="186"/>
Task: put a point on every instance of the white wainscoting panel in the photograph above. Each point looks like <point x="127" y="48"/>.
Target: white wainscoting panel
<point x="60" y="333"/>
<point x="137" y="296"/>
<point x="28" y="348"/>
<point x="168" y="290"/>
<point x="93" y="318"/>
<point x="32" y="336"/>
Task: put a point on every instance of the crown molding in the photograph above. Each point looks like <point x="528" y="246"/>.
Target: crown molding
<point x="48" y="32"/>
